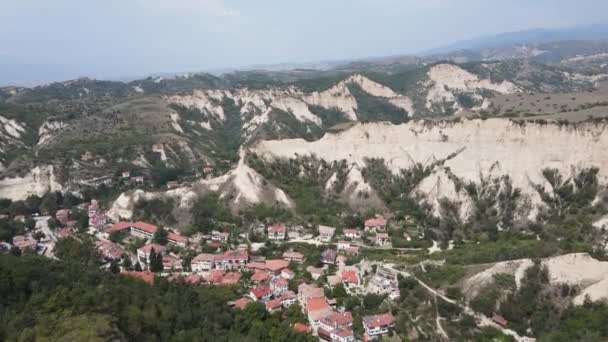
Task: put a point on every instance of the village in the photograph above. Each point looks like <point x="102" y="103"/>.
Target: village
<point x="220" y="259"/>
<point x="319" y="270"/>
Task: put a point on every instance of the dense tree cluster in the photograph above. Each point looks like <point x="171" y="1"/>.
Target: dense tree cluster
<point x="42" y="299"/>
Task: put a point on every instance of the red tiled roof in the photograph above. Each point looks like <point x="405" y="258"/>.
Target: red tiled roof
<point x="498" y="319"/>
<point x="203" y="257"/>
<point x="317" y="307"/>
<point x="157" y="248"/>
<point x="287" y="295"/>
<point x="147" y="227"/>
<point x="375" y="222"/>
<point x="215" y="276"/>
<point x="279" y="282"/>
<point x="259" y="276"/>
<point x="119" y="226"/>
<point x="148" y="277"/>
<point x="350" y="277"/>
<point x="382" y="320"/>
<point x="176" y="237"/>
<point x="192" y="279"/>
<point x="338" y="319"/>
<point x="238" y="254"/>
<point x="273" y="304"/>
<point x="242" y="303"/>
<point x="293" y="255"/>
<point x="276" y="229"/>
<point x="231" y="278"/>
<point x="276" y="265"/>
<point x="303" y="328"/>
<point x="260" y="291"/>
<point x="382" y="236"/>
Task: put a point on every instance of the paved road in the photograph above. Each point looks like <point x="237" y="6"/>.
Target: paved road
<point x="482" y="319"/>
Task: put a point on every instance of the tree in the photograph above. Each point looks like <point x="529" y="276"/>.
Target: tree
<point x="160" y="236"/>
<point x="114" y="268"/>
<point x="52" y="223"/>
<point x="30" y="223"/>
<point x="126" y="262"/>
<point x="138" y="267"/>
<point x="156" y="261"/>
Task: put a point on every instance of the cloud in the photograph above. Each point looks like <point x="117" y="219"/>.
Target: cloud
<point x="215" y="8"/>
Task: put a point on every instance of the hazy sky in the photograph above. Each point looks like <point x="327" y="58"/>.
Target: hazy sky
<point x="63" y="39"/>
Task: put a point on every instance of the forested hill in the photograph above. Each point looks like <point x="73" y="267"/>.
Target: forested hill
<point x="46" y="300"/>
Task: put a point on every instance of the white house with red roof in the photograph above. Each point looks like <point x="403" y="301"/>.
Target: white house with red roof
<point x="232" y="260"/>
<point x="287" y="298"/>
<point x="278" y="285"/>
<point x="277" y="233"/>
<point x="350" y="280"/>
<point x="203" y="262"/>
<point x="293" y="256"/>
<point x="316" y="310"/>
<point x="376" y="224"/>
<point x="307" y="291"/>
<point x="143" y="253"/>
<point x="261" y="293"/>
<point x="337" y="326"/>
<point x="109" y="250"/>
<point x="378" y="325"/>
<point x="274" y="305"/>
<point x="326" y="233"/>
<point x="352" y="233"/>
<point x="382" y="239"/>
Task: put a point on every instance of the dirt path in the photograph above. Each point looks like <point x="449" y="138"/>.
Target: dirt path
<point x="482" y="319"/>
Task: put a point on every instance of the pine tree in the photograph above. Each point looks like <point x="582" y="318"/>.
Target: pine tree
<point x="160" y="236"/>
<point x="114" y="267"/>
<point x="156" y="261"/>
<point x="138" y="267"/>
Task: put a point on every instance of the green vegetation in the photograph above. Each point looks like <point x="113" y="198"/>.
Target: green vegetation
<point x="371" y="108"/>
<point x="208" y="212"/>
<point x="42" y="299"/>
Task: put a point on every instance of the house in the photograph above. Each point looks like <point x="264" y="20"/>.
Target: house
<point x="287" y="274"/>
<point x="148" y="277"/>
<point x="231" y="278"/>
<point x="333" y="280"/>
<point x="303" y="328"/>
<point x="109" y="250"/>
<point x="383" y="282"/>
<point x="99" y="221"/>
<point x="326" y="233"/>
<point x="261" y="293"/>
<point x="219" y="236"/>
<point x="278" y="285"/>
<point x="203" y="262"/>
<point x="93" y="208"/>
<point x="337" y="326"/>
<point x="378" y="325"/>
<point x="143" y="229"/>
<point x="407" y="236"/>
<point x="172" y="185"/>
<point x="293" y="256"/>
<point x="353" y="250"/>
<point x="273" y="305"/>
<point x="352" y="233"/>
<point x="342" y="245"/>
<point x="241" y="303"/>
<point x="172" y="263"/>
<point x="62" y="216"/>
<point x="274" y="266"/>
<point x="259" y="276"/>
<point x="307" y="291"/>
<point x="215" y="276"/>
<point x="315" y="272"/>
<point x="382" y="239"/>
<point x="232" y="260"/>
<point x="64" y="233"/>
<point x="328" y="256"/>
<point x="24" y="243"/>
<point x="317" y="309"/>
<point x="350" y="280"/>
<point x="143" y="253"/>
<point x="125" y="174"/>
<point x="137" y="180"/>
<point x="177" y="239"/>
<point x="373" y="225"/>
<point x="498" y="319"/>
<point x="287" y="298"/>
<point x="276" y="233"/>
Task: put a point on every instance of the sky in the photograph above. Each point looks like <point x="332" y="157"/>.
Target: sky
<point x="46" y="40"/>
